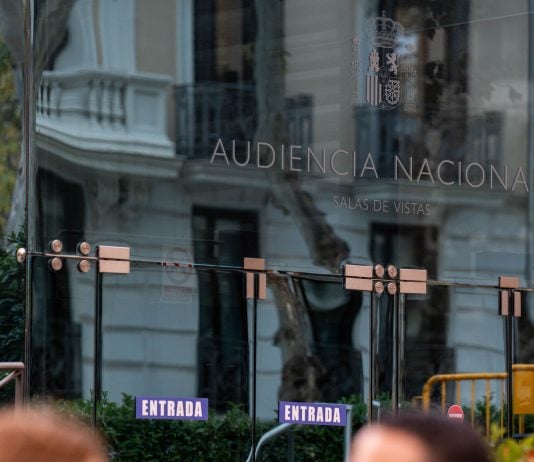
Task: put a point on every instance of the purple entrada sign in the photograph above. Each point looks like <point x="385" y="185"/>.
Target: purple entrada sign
<point x="312" y="413"/>
<point x="159" y="408"/>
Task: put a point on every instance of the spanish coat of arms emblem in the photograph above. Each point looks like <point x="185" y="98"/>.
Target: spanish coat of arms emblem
<point x="382" y="81"/>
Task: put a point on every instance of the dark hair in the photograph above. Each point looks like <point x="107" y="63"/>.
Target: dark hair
<point x="447" y="441"/>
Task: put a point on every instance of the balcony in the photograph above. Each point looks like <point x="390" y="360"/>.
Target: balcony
<point x="110" y="112"/>
<point x="105" y="111"/>
<point x="477" y="138"/>
<point x="208" y="111"/>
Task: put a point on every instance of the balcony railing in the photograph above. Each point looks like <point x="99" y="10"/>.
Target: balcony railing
<point x="105" y="111"/>
<point x="127" y="113"/>
<point x="385" y="134"/>
<point x="206" y="112"/>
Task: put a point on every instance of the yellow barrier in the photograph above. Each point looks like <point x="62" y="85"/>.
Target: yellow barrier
<point x="523" y="392"/>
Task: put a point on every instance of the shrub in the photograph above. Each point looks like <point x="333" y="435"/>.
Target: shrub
<point x="11" y="309"/>
<point x="515" y="451"/>
<point x="222" y="438"/>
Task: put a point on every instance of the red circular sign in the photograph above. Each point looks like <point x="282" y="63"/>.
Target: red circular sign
<point x="456" y="412"/>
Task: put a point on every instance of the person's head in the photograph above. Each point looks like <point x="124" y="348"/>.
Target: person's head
<point x="41" y="436"/>
<point x="418" y="438"/>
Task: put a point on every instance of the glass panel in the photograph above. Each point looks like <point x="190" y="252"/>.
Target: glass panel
<point x="311" y="134"/>
<point x="186" y="336"/>
<point x="62" y="326"/>
<point x="312" y="338"/>
<point x="12" y="192"/>
<point x="320" y="137"/>
<point x="453" y="332"/>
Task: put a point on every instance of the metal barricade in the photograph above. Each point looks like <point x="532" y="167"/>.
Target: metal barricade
<point x="523" y="392"/>
<point x="15" y="373"/>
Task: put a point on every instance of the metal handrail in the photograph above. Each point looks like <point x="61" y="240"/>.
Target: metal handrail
<point x="347" y="435"/>
<point x="16" y="373"/>
<point x="443" y="379"/>
<point x="267" y="436"/>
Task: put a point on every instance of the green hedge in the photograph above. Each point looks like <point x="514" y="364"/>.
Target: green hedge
<point x="223" y="438"/>
<point x="11" y="310"/>
<point x="226" y="437"/>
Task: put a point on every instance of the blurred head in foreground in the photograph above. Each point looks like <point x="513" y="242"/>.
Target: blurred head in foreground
<point x="418" y="438"/>
<point x="41" y="436"/>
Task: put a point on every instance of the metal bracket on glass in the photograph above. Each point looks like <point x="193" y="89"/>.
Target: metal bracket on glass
<point x="113" y="259"/>
<point x="509" y="296"/>
<point x="412" y="281"/>
<point x="362" y="278"/>
<point x="55" y="263"/>
<point x="256" y="283"/>
<point x="57" y="258"/>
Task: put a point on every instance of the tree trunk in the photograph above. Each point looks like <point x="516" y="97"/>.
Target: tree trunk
<point x="302" y="372"/>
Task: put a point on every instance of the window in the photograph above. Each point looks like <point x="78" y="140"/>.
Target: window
<point x="223" y="237"/>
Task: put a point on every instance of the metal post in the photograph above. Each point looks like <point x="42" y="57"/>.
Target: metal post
<point x="111" y="260"/>
<point x="402" y="344"/>
<point x="19" y="389"/>
<point x="373" y="353"/>
<point x="28" y="326"/>
<point x="509" y="308"/>
<point x="254" y="366"/>
<point x="347" y="435"/>
<point x="395" y="357"/>
<point x="291" y="446"/>
<point x="410" y="281"/>
<point x="508" y="335"/>
<point x="97" y="365"/>
<point x="255" y="288"/>
<point x="368" y="279"/>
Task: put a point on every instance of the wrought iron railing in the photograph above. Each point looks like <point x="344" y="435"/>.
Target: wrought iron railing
<point x="208" y="111"/>
<point x="523" y="383"/>
<point x="386" y="134"/>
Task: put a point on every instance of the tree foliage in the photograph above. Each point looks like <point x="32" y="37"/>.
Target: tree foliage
<point x="11" y="308"/>
<point x="10" y="135"/>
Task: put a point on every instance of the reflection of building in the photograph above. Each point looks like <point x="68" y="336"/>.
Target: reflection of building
<point x="126" y="121"/>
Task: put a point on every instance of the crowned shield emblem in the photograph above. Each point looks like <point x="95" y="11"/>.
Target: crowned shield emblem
<point x="382" y="83"/>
